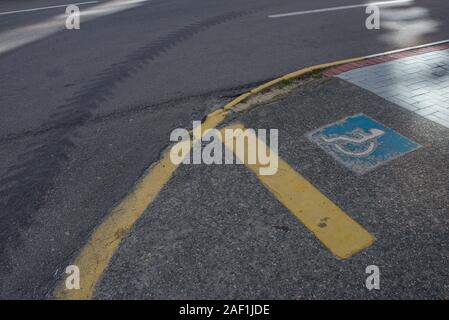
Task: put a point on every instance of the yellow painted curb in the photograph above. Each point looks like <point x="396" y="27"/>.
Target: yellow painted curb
<point x="96" y="254"/>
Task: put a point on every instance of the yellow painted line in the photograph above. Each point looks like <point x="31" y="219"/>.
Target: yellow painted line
<point x="266" y="86"/>
<point x="96" y="254"/>
<point x="331" y="225"/>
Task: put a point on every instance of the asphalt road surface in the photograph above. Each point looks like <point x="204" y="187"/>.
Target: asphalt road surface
<point x="85" y="112"/>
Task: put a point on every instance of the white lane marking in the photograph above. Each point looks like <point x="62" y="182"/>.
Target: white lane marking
<point x="381" y="3"/>
<point x="21" y="36"/>
<point x="45" y="8"/>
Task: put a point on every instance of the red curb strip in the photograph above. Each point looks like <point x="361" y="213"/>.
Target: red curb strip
<point x="334" y="71"/>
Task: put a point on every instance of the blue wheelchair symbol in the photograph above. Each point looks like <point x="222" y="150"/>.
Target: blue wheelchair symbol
<point x="361" y="143"/>
<point x="356" y="138"/>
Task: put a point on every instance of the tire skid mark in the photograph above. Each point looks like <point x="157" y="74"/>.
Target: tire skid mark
<point x="25" y="184"/>
<point x="228" y="93"/>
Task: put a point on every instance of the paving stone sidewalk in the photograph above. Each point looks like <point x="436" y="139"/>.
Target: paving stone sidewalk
<point x="418" y="83"/>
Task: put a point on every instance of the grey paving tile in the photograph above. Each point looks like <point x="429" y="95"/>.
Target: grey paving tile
<point x="419" y="84"/>
<point x="426" y="111"/>
<point x="439" y="120"/>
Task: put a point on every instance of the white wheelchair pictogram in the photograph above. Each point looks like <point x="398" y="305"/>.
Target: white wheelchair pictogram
<point x="368" y="141"/>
